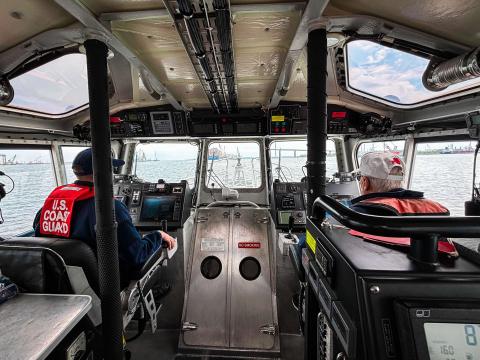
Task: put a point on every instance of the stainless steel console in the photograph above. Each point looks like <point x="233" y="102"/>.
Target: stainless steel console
<point x="230" y="301"/>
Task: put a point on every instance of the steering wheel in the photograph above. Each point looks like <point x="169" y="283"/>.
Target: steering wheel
<point x="233" y="203"/>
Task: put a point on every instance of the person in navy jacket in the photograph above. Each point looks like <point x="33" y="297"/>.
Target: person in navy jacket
<point x="78" y="222"/>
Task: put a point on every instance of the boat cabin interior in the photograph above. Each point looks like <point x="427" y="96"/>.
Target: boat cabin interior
<point x="240" y="127"/>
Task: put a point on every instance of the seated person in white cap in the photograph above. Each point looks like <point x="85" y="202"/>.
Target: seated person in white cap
<point x="381" y="177"/>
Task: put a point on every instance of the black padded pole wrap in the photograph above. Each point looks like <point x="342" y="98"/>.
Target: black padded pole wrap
<point x="106" y="228"/>
<point x="317" y="116"/>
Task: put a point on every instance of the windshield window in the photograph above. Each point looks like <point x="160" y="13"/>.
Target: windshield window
<point x="392" y="75"/>
<point x="288" y="160"/>
<point x="32" y="172"/>
<point x="171" y="162"/>
<point x="69" y="153"/>
<point x="57" y="87"/>
<point x="397" y="147"/>
<point x="234" y="165"/>
<point x="444" y="171"/>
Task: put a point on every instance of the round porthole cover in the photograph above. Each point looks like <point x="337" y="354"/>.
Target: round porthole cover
<point x="250" y="268"/>
<point x="211" y="267"/>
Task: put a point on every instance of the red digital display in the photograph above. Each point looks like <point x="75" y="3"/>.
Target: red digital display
<point x="339" y="115"/>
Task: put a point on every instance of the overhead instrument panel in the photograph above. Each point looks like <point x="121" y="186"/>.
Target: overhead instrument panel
<point x="161" y="123"/>
<point x="291" y="119"/>
<point x="288" y="120"/>
<point x="341" y="120"/>
<point x="136" y="123"/>
<point x="244" y="123"/>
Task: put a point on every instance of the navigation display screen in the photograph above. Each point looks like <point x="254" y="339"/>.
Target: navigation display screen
<point x="155" y="208"/>
<point x="448" y="341"/>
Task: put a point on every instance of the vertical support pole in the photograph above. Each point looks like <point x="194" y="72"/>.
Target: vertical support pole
<point x="106" y="226"/>
<point x="317" y="116"/>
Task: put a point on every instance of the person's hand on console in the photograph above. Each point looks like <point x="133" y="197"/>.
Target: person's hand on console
<point x="168" y="241"/>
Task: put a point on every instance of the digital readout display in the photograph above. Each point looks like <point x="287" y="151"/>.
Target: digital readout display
<point x="450" y="341"/>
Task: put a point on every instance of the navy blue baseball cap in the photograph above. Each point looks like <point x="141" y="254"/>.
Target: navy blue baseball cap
<point x="82" y="164"/>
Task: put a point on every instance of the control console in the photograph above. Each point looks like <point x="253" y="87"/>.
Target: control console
<point x="289" y="202"/>
<point x="152" y="204"/>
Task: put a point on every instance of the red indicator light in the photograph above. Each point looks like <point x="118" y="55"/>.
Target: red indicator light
<point x="275" y="129"/>
<point x="339" y="115"/>
<point x="115" y="119"/>
<point x="284" y="130"/>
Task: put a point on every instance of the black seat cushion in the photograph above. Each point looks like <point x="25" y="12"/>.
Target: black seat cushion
<point x="73" y="252"/>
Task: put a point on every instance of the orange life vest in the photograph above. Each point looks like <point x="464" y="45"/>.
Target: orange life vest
<point x="56" y="215"/>
<point x="407" y="206"/>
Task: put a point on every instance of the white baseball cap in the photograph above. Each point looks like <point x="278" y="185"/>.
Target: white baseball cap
<point x="379" y="164"/>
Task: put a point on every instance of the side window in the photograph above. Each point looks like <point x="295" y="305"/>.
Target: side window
<point x="444" y="171"/>
<point x="396" y="147"/>
<point x="34" y="177"/>
<point x="288" y="159"/>
<point x="69" y="153"/>
<point x="171" y="162"/>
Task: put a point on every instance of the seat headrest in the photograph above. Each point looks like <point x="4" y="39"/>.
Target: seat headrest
<point x="73" y="252"/>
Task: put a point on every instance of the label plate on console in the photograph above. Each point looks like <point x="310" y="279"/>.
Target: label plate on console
<point x="312" y="244"/>
<point x="249" y="245"/>
<point x="212" y="244"/>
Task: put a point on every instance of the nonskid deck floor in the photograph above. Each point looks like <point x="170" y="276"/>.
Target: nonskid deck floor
<point x="163" y="345"/>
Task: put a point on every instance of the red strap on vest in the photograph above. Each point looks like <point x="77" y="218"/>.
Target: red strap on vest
<point x="409" y="206"/>
<point x="56" y="214"/>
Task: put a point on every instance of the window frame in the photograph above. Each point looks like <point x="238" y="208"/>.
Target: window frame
<point x="453" y="95"/>
<point x="408" y="154"/>
<point x="171" y="141"/>
<point x="262" y="158"/>
<point x="356" y="158"/>
<point x="29" y="145"/>
<point x="441" y="139"/>
<point x="26" y="111"/>
<point x="291" y="139"/>
<point x="63" y="164"/>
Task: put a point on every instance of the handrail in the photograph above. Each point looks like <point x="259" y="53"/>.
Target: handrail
<point x="232" y="203"/>
<point x="412" y="226"/>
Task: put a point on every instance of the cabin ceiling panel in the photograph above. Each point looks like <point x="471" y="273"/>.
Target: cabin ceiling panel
<point x="157" y="43"/>
<point x="261" y="41"/>
<point x="101" y="6"/>
<point x="454" y="20"/>
<point x="259" y="63"/>
<point x="191" y="94"/>
<point x="22" y="19"/>
<point x="265" y="28"/>
<point x="158" y="33"/>
<point x="255" y="93"/>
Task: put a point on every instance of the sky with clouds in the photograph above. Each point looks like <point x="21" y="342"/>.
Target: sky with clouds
<point x="391" y="74"/>
<point x="56" y="87"/>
